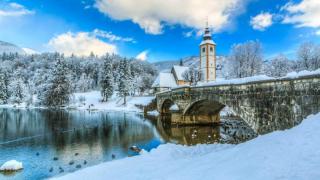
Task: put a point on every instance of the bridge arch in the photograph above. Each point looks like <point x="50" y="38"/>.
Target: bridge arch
<point x="203" y="107"/>
<point x="165" y="106"/>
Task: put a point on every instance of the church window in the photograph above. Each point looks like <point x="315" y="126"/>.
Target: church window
<point x="203" y="49"/>
<point x="211" y="49"/>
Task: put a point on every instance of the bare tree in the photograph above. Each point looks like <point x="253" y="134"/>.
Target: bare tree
<point x="192" y="75"/>
<point x="246" y="59"/>
<point x="280" y="66"/>
<point x="309" y="56"/>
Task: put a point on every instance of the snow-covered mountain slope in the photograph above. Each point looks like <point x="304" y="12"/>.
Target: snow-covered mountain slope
<point x="30" y="51"/>
<point x="6" y="47"/>
<point x="194" y="61"/>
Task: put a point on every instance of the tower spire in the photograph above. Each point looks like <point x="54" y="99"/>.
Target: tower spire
<point x="207" y="22"/>
<point x="207" y="33"/>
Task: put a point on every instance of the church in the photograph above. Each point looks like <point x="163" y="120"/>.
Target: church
<point x="168" y="80"/>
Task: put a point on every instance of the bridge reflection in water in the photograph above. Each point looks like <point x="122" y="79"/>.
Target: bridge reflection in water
<point x="231" y="130"/>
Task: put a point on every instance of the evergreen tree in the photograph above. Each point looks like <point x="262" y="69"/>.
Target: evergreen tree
<point x="59" y="89"/>
<point x="181" y="62"/>
<point x="124" y="79"/>
<point x="107" y="79"/>
<point x="3" y="87"/>
<point x="17" y="91"/>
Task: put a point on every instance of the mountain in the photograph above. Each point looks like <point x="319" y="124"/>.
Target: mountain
<point x="30" y="51"/>
<point x="6" y="47"/>
<point x="223" y="66"/>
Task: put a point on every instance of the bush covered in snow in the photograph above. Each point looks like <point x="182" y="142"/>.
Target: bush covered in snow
<point x="12" y="165"/>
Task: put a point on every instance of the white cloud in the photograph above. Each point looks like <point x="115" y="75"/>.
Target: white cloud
<point x="188" y="34"/>
<point x="143" y="55"/>
<point x="87" y="7"/>
<point x="153" y="15"/>
<point x="261" y="21"/>
<point x="81" y="44"/>
<point x="303" y="14"/>
<point x="13" y="10"/>
<point x="111" y="37"/>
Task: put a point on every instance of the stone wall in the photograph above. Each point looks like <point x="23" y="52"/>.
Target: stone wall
<point x="265" y="106"/>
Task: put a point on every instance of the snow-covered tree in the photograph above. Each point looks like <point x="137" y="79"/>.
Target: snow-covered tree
<point x="83" y="73"/>
<point x="59" y="89"/>
<point x="280" y="66"/>
<point x="17" y="90"/>
<point x="106" y="82"/>
<point x="84" y="84"/>
<point x="124" y="80"/>
<point x="309" y="56"/>
<point x="246" y="59"/>
<point x="3" y="87"/>
<point x="192" y="75"/>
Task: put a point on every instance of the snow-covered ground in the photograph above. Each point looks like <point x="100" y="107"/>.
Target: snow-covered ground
<point x="290" y="154"/>
<point x="92" y="100"/>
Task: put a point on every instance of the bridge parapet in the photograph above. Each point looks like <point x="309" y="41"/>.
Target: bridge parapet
<point x="265" y="105"/>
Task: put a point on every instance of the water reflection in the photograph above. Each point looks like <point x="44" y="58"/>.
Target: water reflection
<point x="46" y="140"/>
<point x="230" y="130"/>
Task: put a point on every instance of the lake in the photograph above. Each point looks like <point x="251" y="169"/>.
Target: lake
<point x="54" y="142"/>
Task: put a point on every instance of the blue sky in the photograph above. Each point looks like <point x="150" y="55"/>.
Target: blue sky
<point x="159" y="30"/>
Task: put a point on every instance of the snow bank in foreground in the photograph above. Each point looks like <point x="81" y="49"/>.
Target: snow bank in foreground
<point x="290" y="154"/>
<point x="92" y="100"/>
<point x="12" y="165"/>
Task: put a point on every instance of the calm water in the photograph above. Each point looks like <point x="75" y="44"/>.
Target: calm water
<point x="51" y="143"/>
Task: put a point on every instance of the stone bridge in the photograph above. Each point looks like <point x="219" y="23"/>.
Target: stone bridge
<point x="264" y="105"/>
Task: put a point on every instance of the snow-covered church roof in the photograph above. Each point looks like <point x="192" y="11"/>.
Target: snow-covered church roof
<point x="165" y="79"/>
<point x="210" y="41"/>
<point x="179" y="70"/>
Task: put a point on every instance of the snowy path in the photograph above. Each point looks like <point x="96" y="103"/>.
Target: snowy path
<point x="290" y="154"/>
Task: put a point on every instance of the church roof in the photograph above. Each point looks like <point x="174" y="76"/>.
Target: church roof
<point x="179" y="70"/>
<point x="165" y="80"/>
<point x="207" y="42"/>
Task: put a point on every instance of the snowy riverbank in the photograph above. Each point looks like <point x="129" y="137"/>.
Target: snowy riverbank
<point x="290" y="154"/>
<point x="92" y="101"/>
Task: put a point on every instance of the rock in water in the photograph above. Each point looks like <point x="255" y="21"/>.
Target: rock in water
<point x="12" y="165"/>
<point x="78" y="166"/>
<point x="113" y="156"/>
<point x="76" y="154"/>
<point x="71" y="162"/>
<point x="84" y="162"/>
<point x="55" y="158"/>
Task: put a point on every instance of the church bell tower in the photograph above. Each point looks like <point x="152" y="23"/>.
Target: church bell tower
<point x="207" y="57"/>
